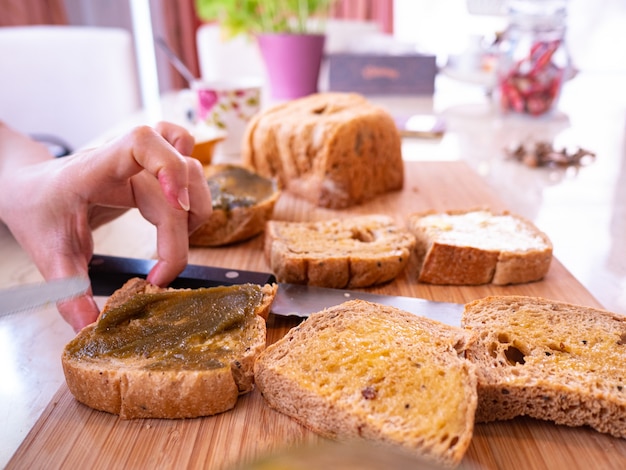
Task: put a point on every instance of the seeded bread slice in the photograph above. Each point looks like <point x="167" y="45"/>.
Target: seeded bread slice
<point x="357" y="251"/>
<point x="197" y="373"/>
<point x="364" y="370"/>
<point x="548" y="360"/>
<point x="479" y="247"/>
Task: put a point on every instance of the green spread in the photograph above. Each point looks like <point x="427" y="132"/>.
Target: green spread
<point x="194" y="329"/>
<point x="235" y="186"/>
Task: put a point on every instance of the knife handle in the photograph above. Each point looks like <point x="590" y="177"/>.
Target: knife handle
<point x="109" y="273"/>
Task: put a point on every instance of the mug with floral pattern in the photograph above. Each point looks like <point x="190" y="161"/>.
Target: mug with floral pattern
<point x="228" y="106"/>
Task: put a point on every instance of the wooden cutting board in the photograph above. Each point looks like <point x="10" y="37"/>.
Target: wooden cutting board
<point x="70" y="435"/>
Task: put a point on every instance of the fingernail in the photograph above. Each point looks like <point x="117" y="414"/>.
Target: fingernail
<point x="183" y="199"/>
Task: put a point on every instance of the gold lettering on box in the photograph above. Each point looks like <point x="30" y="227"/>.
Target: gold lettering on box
<point x="370" y="72"/>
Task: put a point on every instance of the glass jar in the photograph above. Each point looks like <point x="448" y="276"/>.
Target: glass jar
<point x="533" y="60"/>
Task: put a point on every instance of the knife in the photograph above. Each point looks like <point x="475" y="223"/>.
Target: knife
<point x="108" y="273"/>
<point x="25" y="297"/>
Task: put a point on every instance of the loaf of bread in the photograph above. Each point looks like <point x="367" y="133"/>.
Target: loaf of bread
<point x="351" y="252"/>
<point x="548" y="360"/>
<point x="242" y="202"/>
<point x="162" y="353"/>
<point x="335" y="150"/>
<point x="479" y="247"/>
<point x="361" y="370"/>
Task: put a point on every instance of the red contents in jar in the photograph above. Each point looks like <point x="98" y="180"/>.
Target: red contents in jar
<point x="533" y="83"/>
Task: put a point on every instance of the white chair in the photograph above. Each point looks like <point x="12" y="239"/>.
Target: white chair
<point x="69" y="82"/>
<point x="343" y="35"/>
<point x="227" y="59"/>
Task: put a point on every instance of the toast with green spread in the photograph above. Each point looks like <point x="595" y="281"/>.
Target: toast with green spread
<point x="242" y="201"/>
<point x="166" y="353"/>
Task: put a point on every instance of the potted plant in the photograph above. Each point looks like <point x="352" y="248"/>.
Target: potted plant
<point x="288" y="32"/>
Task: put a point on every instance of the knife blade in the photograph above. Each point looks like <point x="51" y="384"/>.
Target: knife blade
<point x="108" y="273"/>
<point x="29" y="296"/>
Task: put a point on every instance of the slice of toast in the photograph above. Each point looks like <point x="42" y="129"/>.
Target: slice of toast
<point x="351" y="252"/>
<point x="364" y="370"/>
<point x="479" y="247"/>
<point x="548" y="360"/>
<point x="242" y="202"/>
<point x="165" y="353"/>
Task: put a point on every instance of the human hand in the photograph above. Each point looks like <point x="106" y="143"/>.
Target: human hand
<point x="52" y="205"/>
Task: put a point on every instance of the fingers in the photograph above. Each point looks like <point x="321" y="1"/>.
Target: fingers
<point x="169" y="189"/>
<point x="103" y="176"/>
<point x="79" y="312"/>
<point x="164" y="162"/>
<point x="177" y="136"/>
<point x="146" y="169"/>
<point x="173" y="226"/>
<point x="199" y="193"/>
<point x="71" y="260"/>
<point x="169" y="175"/>
<point x="172" y="251"/>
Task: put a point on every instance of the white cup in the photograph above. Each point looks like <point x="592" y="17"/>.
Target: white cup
<point x="227" y="105"/>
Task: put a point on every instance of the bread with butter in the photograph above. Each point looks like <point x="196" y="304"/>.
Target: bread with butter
<point x="479" y="247"/>
<point x="361" y="370"/>
<point x="152" y="355"/>
<point x="335" y="150"/>
<point x="548" y="360"/>
<point x="357" y="251"/>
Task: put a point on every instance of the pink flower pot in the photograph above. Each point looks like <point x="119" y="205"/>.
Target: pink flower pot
<point x="293" y="63"/>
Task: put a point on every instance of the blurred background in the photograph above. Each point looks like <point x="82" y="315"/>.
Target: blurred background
<point x="596" y="29"/>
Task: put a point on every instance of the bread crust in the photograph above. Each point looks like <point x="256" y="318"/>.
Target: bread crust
<point x="548" y="360"/>
<point x="132" y="389"/>
<point x="131" y="392"/>
<point x="458" y="265"/>
<point x="356" y="251"/>
<point x="367" y="371"/>
<point x="446" y="260"/>
<point x="335" y="150"/>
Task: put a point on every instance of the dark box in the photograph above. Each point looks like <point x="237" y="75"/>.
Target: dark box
<point x="382" y="74"/>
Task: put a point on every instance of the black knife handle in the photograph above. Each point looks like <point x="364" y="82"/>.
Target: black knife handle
<point x="109" y="273"/>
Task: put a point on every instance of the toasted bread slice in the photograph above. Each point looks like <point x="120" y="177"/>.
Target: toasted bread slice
<point x="364" y="370"/>
<point x="162" y="353"/>
<point x="242" y="202"/>
<point x="479" y="247"/>
<point x="356" y="251"/>
<point x="548" y="360"/>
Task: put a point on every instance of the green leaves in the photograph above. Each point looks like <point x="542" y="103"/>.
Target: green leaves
<point x="250" y="17"/>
